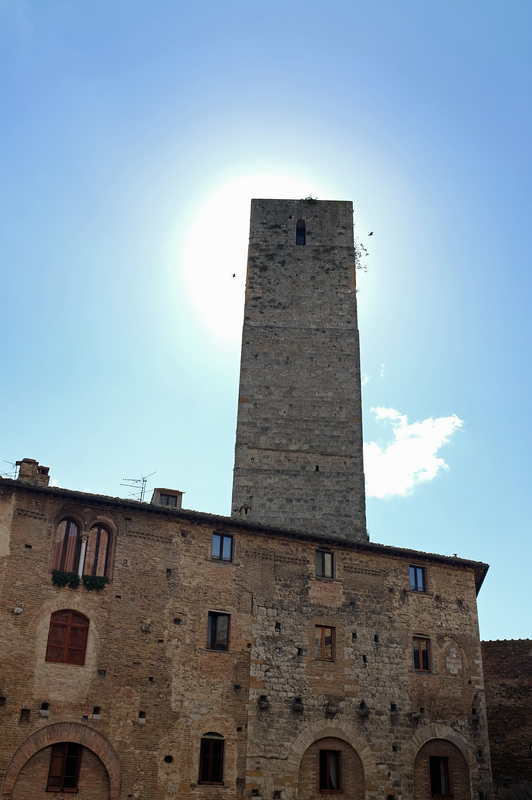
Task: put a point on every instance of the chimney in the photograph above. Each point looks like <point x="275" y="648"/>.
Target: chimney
<point x="31" y="472"/>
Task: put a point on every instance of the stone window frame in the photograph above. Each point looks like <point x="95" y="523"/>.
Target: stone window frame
<point x="214" y="641"/>
<point x="223" y="537"/>
<point x="65" y="763"/>
<point x="211" y="763"/>
<point x="423" y="665"/>
<point x="320" y="563"/>
<point x="321" y="648"/>
<point x="324" y="771"/>
<point x="418" y="578"/>
<point x="60" y="635"/>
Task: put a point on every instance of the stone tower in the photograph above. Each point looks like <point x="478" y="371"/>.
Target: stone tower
<point x="298" y="457"/>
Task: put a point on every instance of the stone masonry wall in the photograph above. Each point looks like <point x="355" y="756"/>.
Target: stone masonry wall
<point x="268" y="696"/>
<point x="298" y="457"/>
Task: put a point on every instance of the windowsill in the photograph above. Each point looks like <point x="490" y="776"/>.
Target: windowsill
<point x="325" y="578"/>
<point x="210" y="783"/>
<point x="213" y="650"/>
<point x="425" y="594"/>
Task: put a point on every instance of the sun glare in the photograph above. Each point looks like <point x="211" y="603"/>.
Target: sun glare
<point x="214" y="255"/>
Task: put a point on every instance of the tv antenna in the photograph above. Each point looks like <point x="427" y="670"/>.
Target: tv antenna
<point x="139" y="484"/>
<point x="12" y="473"/>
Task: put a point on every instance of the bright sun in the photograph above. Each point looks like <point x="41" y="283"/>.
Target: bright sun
<point x="214" y="253"/>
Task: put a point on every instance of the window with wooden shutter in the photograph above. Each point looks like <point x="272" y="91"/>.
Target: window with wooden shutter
<point x="67" y="638"/>
<point x="65" y="762"/>
<point x="67" y="546"/>
<point x="97" y="555"/>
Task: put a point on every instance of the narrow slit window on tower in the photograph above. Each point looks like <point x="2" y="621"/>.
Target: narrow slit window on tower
<point x="301" y="233"/>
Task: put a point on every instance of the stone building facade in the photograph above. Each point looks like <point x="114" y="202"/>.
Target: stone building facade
<point x="152" y="652"/>
<point x="226" y="659"/>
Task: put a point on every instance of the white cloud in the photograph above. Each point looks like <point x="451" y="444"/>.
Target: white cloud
<point x="410" y="458"/>
<point x="365" y="379"/>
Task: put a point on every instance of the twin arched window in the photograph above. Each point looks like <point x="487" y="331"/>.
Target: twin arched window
<point x="71" y="554"/>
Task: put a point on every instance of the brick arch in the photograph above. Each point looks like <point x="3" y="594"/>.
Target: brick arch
<point x="65" y="732"/>
<point x="437" y="731"/>
<point x="320" y="730"/>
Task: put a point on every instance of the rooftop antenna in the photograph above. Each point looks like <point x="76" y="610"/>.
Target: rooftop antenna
<point x="139" y="484"/>
<point x="12" y="473"/>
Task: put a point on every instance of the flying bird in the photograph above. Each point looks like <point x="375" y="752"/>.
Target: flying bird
<point x="370" y="234"/>
<point x="234" y="275"/>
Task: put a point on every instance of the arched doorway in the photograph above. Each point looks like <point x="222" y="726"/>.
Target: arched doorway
<point x="441" y="771"/>
<point x="330" y="766"/>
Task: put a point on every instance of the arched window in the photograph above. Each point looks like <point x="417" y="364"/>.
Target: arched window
<point x="301" y="233"/>
<point x="67" y="546"/>
<point x="211" y="758"/>
<point x="67" y="638"/>
<point x="97" y="555"/>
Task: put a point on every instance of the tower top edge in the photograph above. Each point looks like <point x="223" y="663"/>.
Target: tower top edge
<point x="305" y="200"/>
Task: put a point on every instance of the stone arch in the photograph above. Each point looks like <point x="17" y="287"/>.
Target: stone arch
<point x="324" y="730"/>
<point x="65" y="732"/>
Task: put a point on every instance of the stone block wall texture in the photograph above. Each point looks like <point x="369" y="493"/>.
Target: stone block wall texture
<point x="508" y="676"/>
<point x="298" y="456"/>
<point x="268" y="696"/>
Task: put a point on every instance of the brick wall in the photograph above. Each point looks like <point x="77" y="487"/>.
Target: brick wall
<point x="508" y="676"/>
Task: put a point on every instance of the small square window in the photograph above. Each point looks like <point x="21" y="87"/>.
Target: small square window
<point x="330" y="771"/>
<point x="439" y="776"/>
<point x="324" y="564"/>
<point x="324" y="643"/>
<point x="222" y="547"/>
<point x="421" y="650"/>
<point x="418" y="581"/>
<point x="218" y="631"/>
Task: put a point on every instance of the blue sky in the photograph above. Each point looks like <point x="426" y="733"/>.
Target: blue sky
<point x="134" y="135"/>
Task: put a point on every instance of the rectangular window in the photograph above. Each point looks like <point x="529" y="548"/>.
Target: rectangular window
<point x="65" y="762"/>
<point x="324" y="643"/>
<point x="218" y="631"/>
<point x="324" y="564"/>
<point x="439" y="776"/>
<point x="421" y="648"/>
<point x="168" y="500"/>
<point x="211" y="759"/>
<point x="330" y="773"/>
<point x="222" y="547"/>
<point x="417" y="579"/>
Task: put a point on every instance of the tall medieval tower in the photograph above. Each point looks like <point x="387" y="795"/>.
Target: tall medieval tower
<point x="298" y="457"/>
